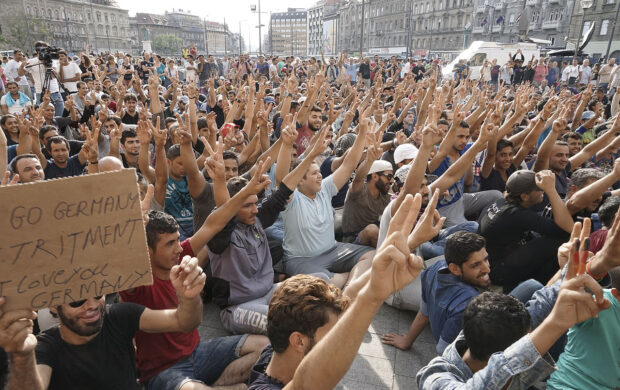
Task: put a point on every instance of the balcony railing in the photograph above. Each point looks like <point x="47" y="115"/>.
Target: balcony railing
<point x="478" y="30"/>
<point x="532" y="2"/>
<point x="550" y="24"/>
<point x="480" y="8"/>
<point x="497" y="28"/>
<point x="498" y="4"/>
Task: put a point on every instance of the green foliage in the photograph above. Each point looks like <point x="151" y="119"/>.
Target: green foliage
<point x="167" y="43"/>
<point x="22" y="31"/>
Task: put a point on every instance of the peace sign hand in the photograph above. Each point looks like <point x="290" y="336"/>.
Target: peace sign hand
<point x="393" y="267"/>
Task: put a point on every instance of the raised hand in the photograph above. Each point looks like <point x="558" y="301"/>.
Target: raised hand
<point x="16" y="330"/>
<point x="545" y="180"/>
<point x="393" y="267"/>
<point x="214" y="164"/>
<point x="187" y="278"/>
<point x="428" y="226"/>
<point x="160" y="135"/>
<point x="260" y="180"/>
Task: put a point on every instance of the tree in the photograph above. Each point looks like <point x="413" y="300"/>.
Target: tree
<point x="167" y="43"/>
<point x="22" y="31"/>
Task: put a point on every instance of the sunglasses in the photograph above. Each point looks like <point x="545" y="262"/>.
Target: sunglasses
<point x="389" y="176"/>
<point x="79" y="303"/>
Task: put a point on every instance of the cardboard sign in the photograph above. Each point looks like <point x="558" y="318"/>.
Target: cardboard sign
<point x="69" y="239"/>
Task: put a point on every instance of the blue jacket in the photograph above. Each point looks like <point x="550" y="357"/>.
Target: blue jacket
<point x="444" y="298"/>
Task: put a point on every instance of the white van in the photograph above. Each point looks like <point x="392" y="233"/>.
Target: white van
<point x="480" y="51"/>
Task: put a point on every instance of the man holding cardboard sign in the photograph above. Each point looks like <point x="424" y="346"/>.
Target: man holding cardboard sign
<point x="93" y="347"/>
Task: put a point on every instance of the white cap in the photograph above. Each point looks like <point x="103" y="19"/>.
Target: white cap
<point x="405" y="152"/>
<point x="380" y="166"/>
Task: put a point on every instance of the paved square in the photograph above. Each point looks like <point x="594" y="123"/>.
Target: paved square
<point x="377" y="366"/>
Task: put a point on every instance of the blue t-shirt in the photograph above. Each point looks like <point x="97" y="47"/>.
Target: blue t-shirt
<point x="73" y="168"/>
<point x="309" y="223"/>
<point x="326" y="170"/>
<point x="455" y="192"/>
<point x="179" y="204"/>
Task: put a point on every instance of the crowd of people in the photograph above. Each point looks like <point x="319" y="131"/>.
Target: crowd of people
<point x="301" y="195"/>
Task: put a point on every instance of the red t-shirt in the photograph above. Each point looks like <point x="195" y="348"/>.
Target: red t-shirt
<point x="158" y="351"/>
<point x="304" y="135"/>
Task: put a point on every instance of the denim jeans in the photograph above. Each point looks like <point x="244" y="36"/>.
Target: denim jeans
<point x="57" y="102"/>
<point x="204" y="365"/>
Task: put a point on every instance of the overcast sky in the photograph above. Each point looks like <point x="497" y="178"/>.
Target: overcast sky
<point x="234" y="11"/>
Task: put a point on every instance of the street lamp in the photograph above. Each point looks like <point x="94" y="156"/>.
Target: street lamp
<point x="260" y="35"/>
<point x="585" y="4"/>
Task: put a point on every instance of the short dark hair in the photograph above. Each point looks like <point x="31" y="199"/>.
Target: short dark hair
<point x="128" y="133"/>
<point x="173" y="152"/>
<point x="159" y="222"/>
<point x="236" y="184"/>
<point x="492" y="322"/>
<point x="301" y="304"/>
<point x="464" y="125"/>
<point x="607" y="211"/>
<point x="130" y="96"/>
<point x="230" y="155"/>
<point x="21" y="157"/>
<point x="504" y="143"/>
<point x="46" y="129"/>
<point x="116" y="120"/>
<point x="460" y="245"/>
<point x="201" y="123"/>
<point x="57" y="139"/>
<point x="572" y="135"/>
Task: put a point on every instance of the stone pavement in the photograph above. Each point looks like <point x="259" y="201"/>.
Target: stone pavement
<point x="377" y="366"/>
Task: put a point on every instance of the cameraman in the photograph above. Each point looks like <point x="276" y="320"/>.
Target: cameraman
<point x="37" y="68"/>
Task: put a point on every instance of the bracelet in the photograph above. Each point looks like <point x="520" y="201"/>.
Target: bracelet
<point x="96" y="162"/>
<point x="595" y="277"/>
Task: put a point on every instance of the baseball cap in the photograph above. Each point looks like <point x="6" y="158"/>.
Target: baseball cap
<point x="587" y="115"/>
<point x="269" y="99"/>
<point x="380" y="166"/>
<point x="184" y="99"/>
<point x="405" y="152"/>
<point x="521" y="182"/>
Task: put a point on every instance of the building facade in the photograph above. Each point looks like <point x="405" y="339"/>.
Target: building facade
<point x="187" y="29"/>
<point x="605" y="14"/>
<point x="70" y="24"/>
<point x="323" y="23"/>
<point x="509" y="21"/>
<point x="288" y="32"/>
<point x="441" y="28"/>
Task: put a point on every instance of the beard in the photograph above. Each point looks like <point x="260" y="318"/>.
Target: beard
<point x="313" y="128"/>
<point x="85" y="330"/>
<point x="383" y="188"/>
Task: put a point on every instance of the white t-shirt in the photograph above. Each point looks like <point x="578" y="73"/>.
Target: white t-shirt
<point x="190" y="74"/>
<point x="70" y="71"/>
<point x="10" y="71"/>
<point x="37" y="70"/>
<point x="15" y="108"/>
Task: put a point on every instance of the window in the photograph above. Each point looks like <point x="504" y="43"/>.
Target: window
<point x="477" y="59"/>
<point x="49" y="13"/>
<point x="586" y="27"/>
<point x="90" y="17"/>
<point x="28" y="10"/>
<point x="604" y="27"/>
<point x="56" y="15"/>
<point x="98" y="16"/>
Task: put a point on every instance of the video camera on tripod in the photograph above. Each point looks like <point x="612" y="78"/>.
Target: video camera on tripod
<point x="47" y="54"/>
